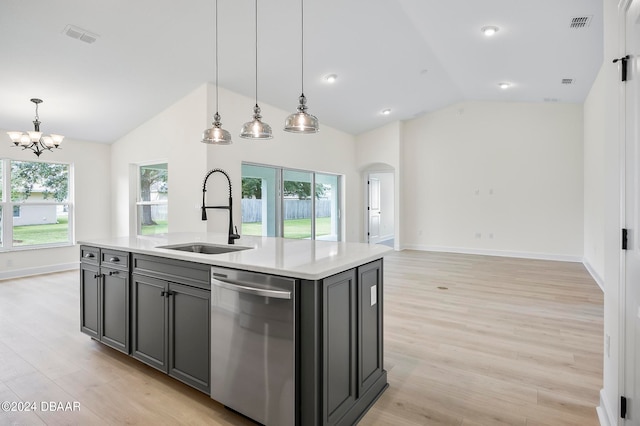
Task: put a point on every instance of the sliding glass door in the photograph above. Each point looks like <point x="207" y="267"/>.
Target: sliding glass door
<point x="297" y="204"/>
<point x="281" y="202"/>
<point x="327" y="207"/>
<point x="260" y="207"/>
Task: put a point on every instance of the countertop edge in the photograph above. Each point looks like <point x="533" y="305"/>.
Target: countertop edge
<point x="226" y="260"/>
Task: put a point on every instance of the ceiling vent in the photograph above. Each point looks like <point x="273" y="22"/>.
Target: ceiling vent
<point x="80" y="34"/>
<point x="550" y="99"/>
<point x="580" y="22"/>
<point x="567" y="81"/>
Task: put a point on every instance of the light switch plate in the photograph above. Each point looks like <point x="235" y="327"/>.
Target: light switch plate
<point x="374" y="295"/>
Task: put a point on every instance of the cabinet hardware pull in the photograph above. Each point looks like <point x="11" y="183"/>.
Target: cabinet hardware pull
<point x="114" y="259"/>
<point x="113" y="273"/>
<point x="163" y="294"/>
<point x="97" y="275"/>
<point x="88" y="255"/>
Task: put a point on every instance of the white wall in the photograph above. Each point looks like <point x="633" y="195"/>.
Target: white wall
<point x="594" y="176"/>
<point x="91" y="163"/>
<point x="495" y="178"/>
<point x="173" y="136"/>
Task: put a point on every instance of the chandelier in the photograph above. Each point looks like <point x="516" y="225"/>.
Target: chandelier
<point x="34" y="140"/>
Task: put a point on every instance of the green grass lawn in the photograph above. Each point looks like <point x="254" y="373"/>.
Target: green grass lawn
<point x="29" y="235"/>
<point x="161" y="227"/>
<point x="293" y="228"/>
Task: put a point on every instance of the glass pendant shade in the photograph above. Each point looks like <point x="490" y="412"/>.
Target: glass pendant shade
<point x="301" y="121"/>
<point x="256" y="129"/>
<point x="216" y="134"/>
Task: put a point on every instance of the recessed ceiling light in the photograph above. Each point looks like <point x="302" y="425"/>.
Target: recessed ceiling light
<point x="386" y="111"/>
<point x="504" y="85"/>
<point x="330" y="78"/>
<point x="489" y="30"/>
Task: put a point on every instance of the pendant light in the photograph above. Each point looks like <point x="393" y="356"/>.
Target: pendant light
<point x="301" y="121"/>
<point x="216" y="134"/>
<point x="256" y="129"/>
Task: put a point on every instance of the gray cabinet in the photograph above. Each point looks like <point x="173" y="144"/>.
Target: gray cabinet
<point x="170" y="318"/>
<point x="104" y="296"/>
<point x="341" y="346"/>
<point x="370" y="332"/>
<point x="339" y="342"/>
<point x="89" y="299"/>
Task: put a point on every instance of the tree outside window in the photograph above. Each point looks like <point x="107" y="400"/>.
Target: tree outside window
<point x="37" y="204"/>
<point x="153" y="199"/>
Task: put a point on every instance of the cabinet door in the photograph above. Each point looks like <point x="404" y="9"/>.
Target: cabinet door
<point x="339" y="342"/>
<point x="115" y="309"/>
<point x="149" y="321"/>
<point x="369" y="325"/>
<point x="189" y="335"/>
<point x="89" y="299"/>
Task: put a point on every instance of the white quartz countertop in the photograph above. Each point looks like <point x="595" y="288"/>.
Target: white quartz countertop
<point x="304" y="259"/>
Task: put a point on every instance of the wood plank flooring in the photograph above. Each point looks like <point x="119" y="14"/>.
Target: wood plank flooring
<point x="469" y="340"/>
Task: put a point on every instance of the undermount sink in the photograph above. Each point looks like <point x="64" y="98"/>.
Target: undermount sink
<point x="204" y="248"/>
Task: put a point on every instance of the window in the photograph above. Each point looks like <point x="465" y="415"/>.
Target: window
<point x="37" y="197"/>
<point x="280" y="202"/>
<point x="152" y="200"/>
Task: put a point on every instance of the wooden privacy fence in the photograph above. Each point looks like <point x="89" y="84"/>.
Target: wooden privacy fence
<point x="293" y="209"/>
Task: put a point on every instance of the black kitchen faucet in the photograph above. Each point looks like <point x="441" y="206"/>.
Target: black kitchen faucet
<point x="232" y="236"/>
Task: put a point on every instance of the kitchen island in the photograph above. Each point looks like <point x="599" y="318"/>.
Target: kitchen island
<point x="163" y="302"/>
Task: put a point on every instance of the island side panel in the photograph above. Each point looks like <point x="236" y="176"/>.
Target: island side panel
<point x="340" y="337"/>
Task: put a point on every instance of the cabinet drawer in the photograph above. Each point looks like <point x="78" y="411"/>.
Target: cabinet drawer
<point x="190" y="273"/>
<point x="115" y="259"/>
<point x="90" y="254"/>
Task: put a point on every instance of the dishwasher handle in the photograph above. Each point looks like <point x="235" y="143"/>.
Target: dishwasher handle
<point x="242" y="288"/>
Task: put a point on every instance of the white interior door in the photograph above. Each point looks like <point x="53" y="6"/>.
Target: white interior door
<point x="631" y="295"/>
<point x="374" y="210"/>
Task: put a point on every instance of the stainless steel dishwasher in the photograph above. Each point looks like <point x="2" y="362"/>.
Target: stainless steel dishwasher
<point x="252" y="344"/>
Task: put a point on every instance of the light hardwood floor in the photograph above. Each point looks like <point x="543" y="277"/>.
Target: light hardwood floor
<point x="469" y="340"/>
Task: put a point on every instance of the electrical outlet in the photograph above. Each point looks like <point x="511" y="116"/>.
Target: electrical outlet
<point x="478" y="235"/>
<point x="491" y="235"/>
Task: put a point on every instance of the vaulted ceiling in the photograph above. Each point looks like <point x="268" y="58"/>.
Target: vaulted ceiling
<point x="412" y="56"/>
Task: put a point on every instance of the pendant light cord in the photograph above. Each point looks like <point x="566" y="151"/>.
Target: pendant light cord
<point x="302" y="39"/>
<point x="256" y="2"/>
<point x="216" y="56"/>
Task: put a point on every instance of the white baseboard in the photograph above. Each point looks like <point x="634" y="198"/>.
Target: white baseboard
<point x="27" y="272"/>
<point x="605" y="415"/>
<point x="596" y="277"/>
<point x="501" y="253"/>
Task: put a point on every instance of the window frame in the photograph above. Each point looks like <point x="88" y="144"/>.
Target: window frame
<point x="7" y="206"/>
<point x="139" y="203"/>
